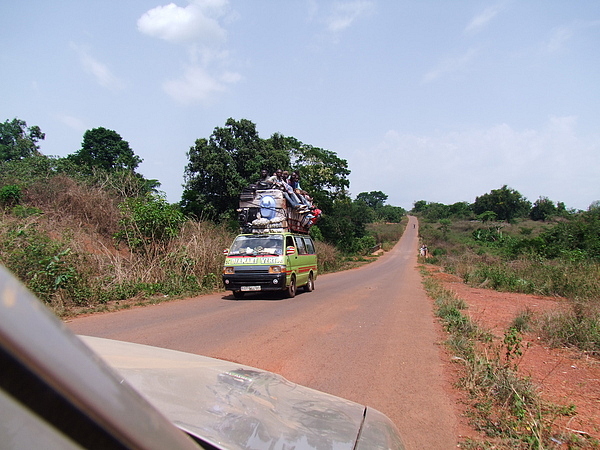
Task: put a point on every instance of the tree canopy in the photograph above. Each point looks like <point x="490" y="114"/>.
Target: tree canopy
<point x="222" y="165"/>
<point x="323" y="174"/>
<point x="373" y="199"/>
<point x="107" y="150"/>
<point x="17" y="141"/>
<point x="543" y="209"/>
<point x="507" y="203"/>
<point x="233" y="156"/>
<point x="379" y="211"/>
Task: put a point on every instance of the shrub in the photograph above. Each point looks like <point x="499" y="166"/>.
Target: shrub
<point x="578" y="326"/>
<point x="328" y="257"/>
<point x="148" y="220"/>
<point x="10" y="195"/>
<point x="47" y="267"/>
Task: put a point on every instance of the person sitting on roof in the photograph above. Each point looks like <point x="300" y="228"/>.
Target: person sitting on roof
<point x="265" y="180"/>
<point x="288" y="192"/>
<point x="302" y="195"/>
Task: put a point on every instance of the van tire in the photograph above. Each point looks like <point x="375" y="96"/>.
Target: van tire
<point x="238" y="295"/>
<point x="310" y="284"/>
<point x="290" y="291"/>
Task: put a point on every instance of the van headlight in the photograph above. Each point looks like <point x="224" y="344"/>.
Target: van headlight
<point x="228" y="270"/>
<point x="276" y="269"/>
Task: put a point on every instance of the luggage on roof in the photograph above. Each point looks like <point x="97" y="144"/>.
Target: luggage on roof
<point x="265" y="210"/>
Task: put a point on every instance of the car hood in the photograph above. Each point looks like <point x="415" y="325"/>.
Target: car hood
<point x="240" y="407"/>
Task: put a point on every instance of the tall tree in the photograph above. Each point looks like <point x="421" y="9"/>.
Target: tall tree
<point x="322" y="173"/>
<point x="507" y="203"/>
<point x="373" y="199"/>
<point x="17" y="141"/>
<point x="543" y="209"/>
<point x="107" y="150"/>
<point x="232" y="157"/>
<point x="221" y="166"/>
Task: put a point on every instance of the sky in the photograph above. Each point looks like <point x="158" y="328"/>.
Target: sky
<point x="441" y="101"/>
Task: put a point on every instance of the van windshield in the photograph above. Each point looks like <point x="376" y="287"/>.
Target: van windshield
<point x="257" y="245"/>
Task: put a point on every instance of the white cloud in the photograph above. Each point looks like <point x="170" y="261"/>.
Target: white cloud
<point x="481" y="20"/>
<point x="560" y="36"/>
<point x="198" y="86"/>
<point x="98" y="70"/>
<point x="72" y="122"/>
<point x="197" y="27"/>
<point x="197" y="22"/>
<point x="450" y="65"/>
<point x="344" y="14"/>
<point x="553" y="161"/>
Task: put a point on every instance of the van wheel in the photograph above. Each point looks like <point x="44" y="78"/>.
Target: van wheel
<point x="291" y="289"/>
<point x="310" y="285"/>
<point x="238" y="295"/>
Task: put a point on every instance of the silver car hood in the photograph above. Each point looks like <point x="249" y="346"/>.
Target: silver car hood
<point x="239" y="407"/>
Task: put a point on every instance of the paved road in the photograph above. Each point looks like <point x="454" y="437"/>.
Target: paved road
<point x="366" y="334"/>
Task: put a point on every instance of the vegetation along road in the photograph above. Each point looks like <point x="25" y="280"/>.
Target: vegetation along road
<point x="366" y="334"/>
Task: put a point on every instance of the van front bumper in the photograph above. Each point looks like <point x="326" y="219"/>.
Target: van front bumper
<point x="254" y="282"/>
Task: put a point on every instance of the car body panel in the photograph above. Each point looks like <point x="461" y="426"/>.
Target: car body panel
<point x="54" y="374"/>
<point x="232" y="405"/>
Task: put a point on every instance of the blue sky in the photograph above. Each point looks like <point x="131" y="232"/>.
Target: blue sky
<point x="427" y="100"/>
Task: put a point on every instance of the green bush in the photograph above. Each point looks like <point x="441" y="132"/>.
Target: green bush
<point x="23" y="211"/>
<point x="47" y="267"/>
<point x="149" y="220"/>
<point x="10" y="195"/>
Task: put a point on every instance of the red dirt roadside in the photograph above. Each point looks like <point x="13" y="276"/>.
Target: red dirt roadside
<point x="563" y="376"/>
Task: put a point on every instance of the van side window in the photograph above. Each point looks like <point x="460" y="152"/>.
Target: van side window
<point x="300" y="245"/>
<point x="289" y="242"/>
<point x="310" y="247"/>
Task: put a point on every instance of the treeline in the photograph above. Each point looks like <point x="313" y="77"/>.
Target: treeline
<point x="219" y="168"/>
<point x="504" y="204"/>
<point x="88" y="228"/>
<point x="566" y="233"/>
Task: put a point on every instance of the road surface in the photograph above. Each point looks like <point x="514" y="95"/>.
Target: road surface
<point x="365" y="334"/>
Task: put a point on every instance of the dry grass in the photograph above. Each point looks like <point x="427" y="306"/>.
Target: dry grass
<point x="60" y="243"/>
<point x="63" y="199"/>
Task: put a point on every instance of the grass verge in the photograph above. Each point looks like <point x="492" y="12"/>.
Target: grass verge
<point x="503" y="405"/>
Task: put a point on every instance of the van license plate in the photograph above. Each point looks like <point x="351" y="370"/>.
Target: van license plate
<point x="250" y="288"/>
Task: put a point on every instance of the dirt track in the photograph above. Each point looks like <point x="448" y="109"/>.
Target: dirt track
<point x="367" y="334"/>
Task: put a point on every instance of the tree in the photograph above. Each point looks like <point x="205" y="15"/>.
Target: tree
<point x="487" y="216"/>
<point x="221" y="166"/>
<point x="373" y="199"/>
<point x="107" y="150"/>
<point x="232" y="157"/>
<point x="17" y="141"/>
<point x="389" y="213"/>
<point x="461" y="210"/>
<point x="323" y="174"/>
<point x="345" y="223"/>
<point x="419" y="206"/>
<point x="543" y="209"/>
<point x="436" y="211"/>
<point x="507" y="203"/>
